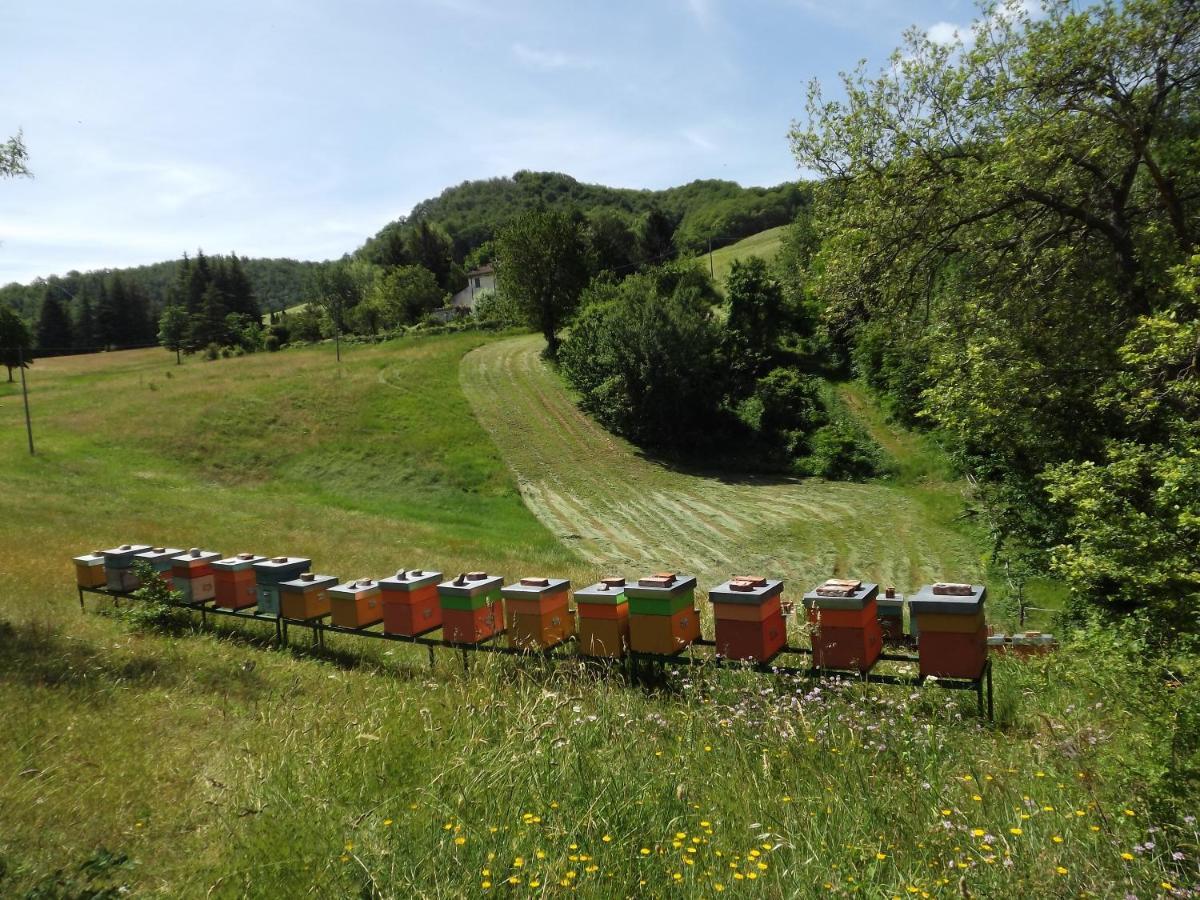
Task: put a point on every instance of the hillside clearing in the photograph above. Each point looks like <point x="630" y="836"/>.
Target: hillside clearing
<point x="765" y="244"/>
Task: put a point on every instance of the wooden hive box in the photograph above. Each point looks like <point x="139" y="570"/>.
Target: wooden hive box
<point x="951" y="630"/>
<point x="537" y="612"/>
<point x="306" y="598"/>
<point x="89" y="570"/>
<point x="749" y="618"/>
<point x="472" y="608"/>
<point x="891" y="614"/>
<point x="235" y="583"/>
<point x="118" y="567"/>
<point x="846" y="634"/>
<point x="663" y="635"/>
<point x="604" y="637"/>
<point x="664" y="594"/>
<point x="410" y="602"/>
<point x="193" y="575"/>
<point x="356" y="604"/>
<point x="272" y="572"/>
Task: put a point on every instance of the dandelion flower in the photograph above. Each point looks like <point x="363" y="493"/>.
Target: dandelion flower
<point x="460" y="841"/>
<point x="1061" y="870"/>
<point x="645" y="851"/>
<point x="881" y="855"/>
<point x="387" y="822"/>
<point x="1015" y="831"/>
<point x="607" y="839"/>
<point x="1127" y="856"/>
<point x="1057" y="839"/>
<point x="485" y="884"/>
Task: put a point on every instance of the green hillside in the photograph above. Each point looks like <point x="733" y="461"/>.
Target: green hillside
<point x="765" y="244"/>
<point x="205" y="764"/>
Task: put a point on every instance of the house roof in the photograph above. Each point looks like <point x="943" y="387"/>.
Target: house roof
<point x="489" y="269"/>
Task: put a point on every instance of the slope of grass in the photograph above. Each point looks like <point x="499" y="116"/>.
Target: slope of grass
<point x="205" y="764"/>
<point x="764" y="244"/>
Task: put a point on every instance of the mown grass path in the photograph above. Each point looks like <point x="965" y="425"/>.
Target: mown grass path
<point x="624" y="512"/>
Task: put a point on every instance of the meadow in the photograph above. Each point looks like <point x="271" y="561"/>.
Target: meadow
<point x="205" y="763"/>
<point x="765" y="244"/>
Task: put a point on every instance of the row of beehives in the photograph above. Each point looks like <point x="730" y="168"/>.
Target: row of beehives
<point x="657" y="614"/>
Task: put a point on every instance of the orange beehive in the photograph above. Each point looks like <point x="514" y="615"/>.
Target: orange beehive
<point x="89" y="570"/>
<point x="749" y="618"/>
<point x="949" y="619"/>
<point x="472" y="608"/>
<point x="663" y="635"/>
<point x="307" y="597"/>
<point x="193" y="575"/>
<point x="603" y="618"/>
<point x="845" y="619"/>
<point x="410" y="602"/>
<point x="536" y="613"/>
<point x="235" y="584"/>
<point x="356" y="604"/>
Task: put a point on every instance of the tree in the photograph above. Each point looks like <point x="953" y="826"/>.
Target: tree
<point x="337" y="288"/>
<point x="996" y="215"/>
<point x="13" y="158"/>
<point x="656" y="238"/>
<point x="173" y="330"/>
<point x="404" y="295"/>
<point x="758" y="317"/>
<point x="15" y="341"/>
<point x="541" y="265"/>
<point x="54" y="326"/>
<point x="613" y="245"/>
<point x="430" y="246"/>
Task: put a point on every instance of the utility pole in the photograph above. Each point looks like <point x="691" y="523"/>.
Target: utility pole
<point x="25" y="395"/>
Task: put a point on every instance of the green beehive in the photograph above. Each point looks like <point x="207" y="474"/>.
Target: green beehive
<point x="472" y="594"/>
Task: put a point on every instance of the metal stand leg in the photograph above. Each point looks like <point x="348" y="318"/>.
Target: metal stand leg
<point x="431" y="658"/>
<point x="466" y="660"/>
<point x="81" y="599"/>
<point x="991" y="707"/>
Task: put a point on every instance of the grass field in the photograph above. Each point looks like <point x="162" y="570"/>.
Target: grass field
<point x="206" y="764"/>
<point x="764" y="244"/>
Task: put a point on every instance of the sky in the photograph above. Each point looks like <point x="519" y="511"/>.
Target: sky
<point x="299" y="128"/>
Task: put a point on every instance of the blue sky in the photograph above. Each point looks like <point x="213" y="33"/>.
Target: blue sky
<point x="299" y="128"/>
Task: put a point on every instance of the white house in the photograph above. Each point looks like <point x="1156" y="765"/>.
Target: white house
<point x="481" y="279"/>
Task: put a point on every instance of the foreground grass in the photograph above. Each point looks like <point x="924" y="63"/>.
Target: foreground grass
<point x="207" y="764"/>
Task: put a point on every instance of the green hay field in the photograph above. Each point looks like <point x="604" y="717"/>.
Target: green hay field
<point x="764" y="244"/>
<point x="208" y="764"/>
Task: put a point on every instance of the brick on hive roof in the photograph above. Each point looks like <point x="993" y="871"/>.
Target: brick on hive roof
<point x="952" y="589"/>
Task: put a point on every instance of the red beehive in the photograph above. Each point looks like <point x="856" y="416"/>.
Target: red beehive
<point x="749" y="618"/>
<point x="846" y="632"/>
<point x="410" y="602"/>
<point x="537" y="613"/>
<point x="952" y="640"/>
<point x="235" y="583"/>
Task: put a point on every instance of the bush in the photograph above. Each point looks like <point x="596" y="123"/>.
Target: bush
<point x="842" y="451"/>
<point x="155" y="604"/>
<point x="272" y="343"/>
<point x="212" y="351"/>
<point x="306" y="324"/>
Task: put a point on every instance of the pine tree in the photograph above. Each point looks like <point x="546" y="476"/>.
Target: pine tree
<point x="54" y="326"/>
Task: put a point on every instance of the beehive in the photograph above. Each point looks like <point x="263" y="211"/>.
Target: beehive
<point x="269" y="574"/>
<point x="356" y="604"/>
<point x="844" y="614"/>
<point x="159" y="559"/>
<point x="194" y="576"/>
<point x="537" y="613"/>
<point x="603" y="618"/>
<point x="472" y="608"/>
<point x="410" y="602"/>
<point x="307" y="597"/>
<point x="235" y="584"/>
<point x="891" y="615"/>
<point x="662" y="617"/>
<point x="89" y="570"/>
<point x="118" y="567"/>
<point x="952" y="632"/>
<point x="749" y="618"/>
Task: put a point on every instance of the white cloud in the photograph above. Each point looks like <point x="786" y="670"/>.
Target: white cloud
<point x="703" y="11"/>
<point x="696" y="139"/>
<point x="944" y="32"/>
<point x="548" y="59"/>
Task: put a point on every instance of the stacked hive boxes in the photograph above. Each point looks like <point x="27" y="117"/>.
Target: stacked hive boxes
<point x="537" y="613"/>
<point x="89" y="570"/>
<point x="356" y="604"/>
<point x="603" y="618"/>
<point x="953" y="634"/>
<point x="749" y="615"/>
<point x="410" y="602"/>
<point x="307" y="597"/>
<point x="844" y="614"/>
<point x="235" y="584"/>
<point x="269" y="574"/>
<point x="118" y="567"/>
<point x="891" y="615"/>
<point x="159" y="559"/>
<point x="662" y="617"/>
<point x="472" y="610"/>
<point x="194" y="576"/>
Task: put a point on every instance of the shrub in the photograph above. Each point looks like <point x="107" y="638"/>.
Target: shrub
<point x="843" y="451"/>
<point x="155" y="604"/>
<point x="212" y="351"/>
<point x="272" y="343"/>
